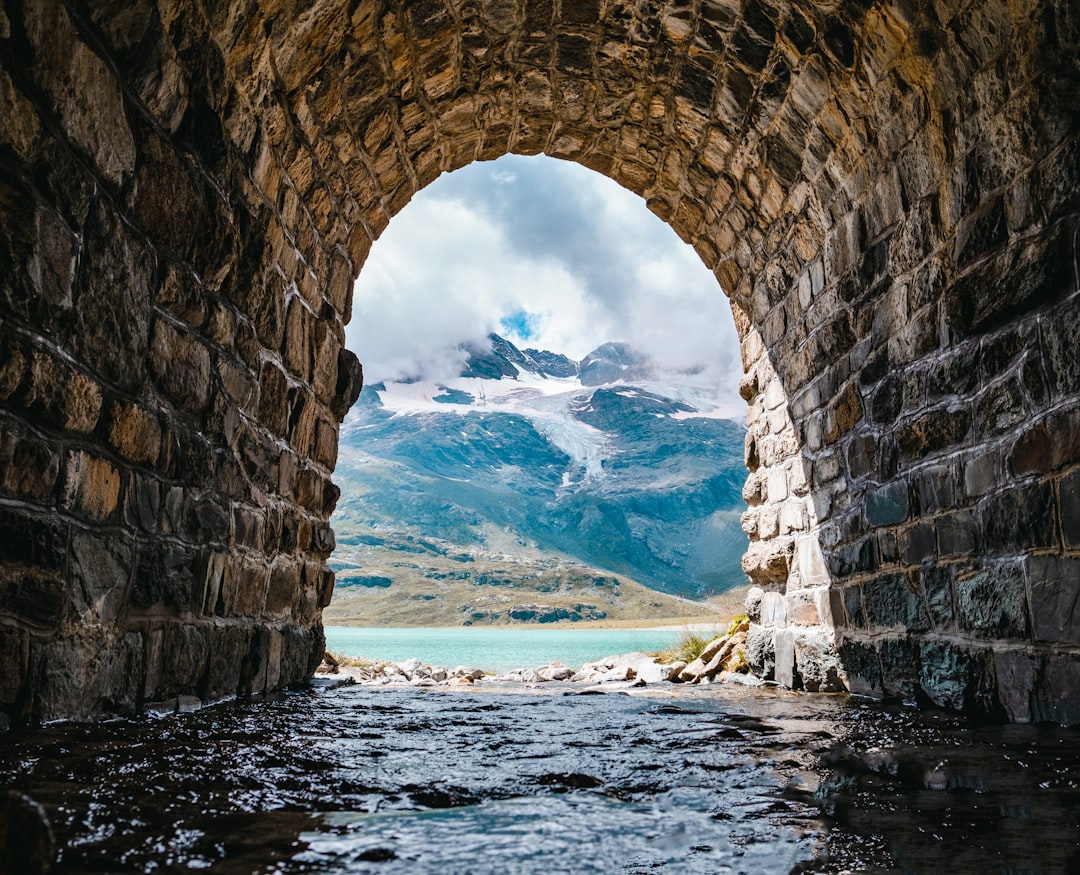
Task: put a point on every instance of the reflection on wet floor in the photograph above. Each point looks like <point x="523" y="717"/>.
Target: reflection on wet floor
<point x="677" y="780"/>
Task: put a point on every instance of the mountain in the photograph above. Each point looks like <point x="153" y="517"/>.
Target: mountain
<point x="534" y="488"/>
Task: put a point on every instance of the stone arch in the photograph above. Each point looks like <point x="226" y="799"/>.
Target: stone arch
<point x="887" y="191"/>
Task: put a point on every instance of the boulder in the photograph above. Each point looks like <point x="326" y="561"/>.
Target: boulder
<point x="675" y="670"/>
<point x="555" y="671"/>
<point x="724" y="655"/>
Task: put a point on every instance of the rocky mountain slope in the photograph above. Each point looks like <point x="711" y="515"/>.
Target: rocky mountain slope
<point x="533" y="488"/>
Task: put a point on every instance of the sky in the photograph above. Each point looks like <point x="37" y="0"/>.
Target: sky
<point x="549" y="255"/>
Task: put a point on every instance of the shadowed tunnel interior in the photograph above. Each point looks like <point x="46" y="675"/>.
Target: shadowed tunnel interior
<point x="887" y="192"/>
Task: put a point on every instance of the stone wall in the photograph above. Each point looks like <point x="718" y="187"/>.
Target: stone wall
<point x="887" y="192"/>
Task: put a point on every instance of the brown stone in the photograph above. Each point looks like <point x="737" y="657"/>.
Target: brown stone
<point x="135" y="432"/>
<point x="91" y="486"/>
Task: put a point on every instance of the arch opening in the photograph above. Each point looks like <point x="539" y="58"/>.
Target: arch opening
<point x="552" y="411"/>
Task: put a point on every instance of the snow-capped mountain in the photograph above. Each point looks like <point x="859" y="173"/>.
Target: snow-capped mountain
<point x="605" y="462"/>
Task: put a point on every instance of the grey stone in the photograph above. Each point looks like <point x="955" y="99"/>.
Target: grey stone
<point x="1016" y="672"/>
<point x="891" y="603"/>
<point x="786" y="672"/>
<point x="1054" y="586"/>
<point x="761" y="651"/>
<point x="1054" y="698"/>
<point x="943" y="674"/>
<point x="992" y="602"/>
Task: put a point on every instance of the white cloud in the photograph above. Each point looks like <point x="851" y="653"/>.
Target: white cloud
<point x="581" y="257"/>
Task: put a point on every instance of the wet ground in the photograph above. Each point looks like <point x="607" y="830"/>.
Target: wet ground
<point x="667" y="780"/>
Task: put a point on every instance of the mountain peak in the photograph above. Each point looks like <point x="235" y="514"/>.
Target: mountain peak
<point x="503" y="359"/>
<point x="613" y="361"/>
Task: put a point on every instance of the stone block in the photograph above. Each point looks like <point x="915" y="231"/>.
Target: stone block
<point x="181" y="294"/>
<point x="851" y="597"/>
<point x="101" y="575"/>
<point x="61" y="395"/>
<point x="981" y="474"/>
<point x="1054" y="590"/>
<point x="861" y="556"/>
<point x="29" y="467"/>
<point x="84" y="92"/>
<point x="817" y="662"/>
<point x="1048" y="445"/>
<point x="774" y="609"/>
<point x="296" y="351"/>
<point x="957" y="534"/>
<point x="167" y="198"/>
<point x="888" y="545"/>
<point x="900" y="668"/>
<point x="793" y="516"/>
<point x="802" y="608"/>
<point x="887" y="401"/>
<point x="184" y="659"/>
<point x="934" y="488"/>
<point x="1020" y="518"/>
<point x="933" y="432"/>
<point x="14" y="650"/>
<point x="767" y="562"/>
<point x="228" y="665"/>
<point x="862" y="455"/>
<point x="862" y="668"/>
<point x="164" y="576"/>
<point x="301" y="653"/>
<point x="992" y="602"/>
<point x="777" y="485"/>
<point x="937" y="583"/>
<point x="755" y="599"/>
<point x="112" y="299"/>
<point x="1060" y="328"/>
<point x="93" y="673"/>
<point x="959" y="679"/>
<point x="785" y="670"/>
<point x="181" y="367"/>
<point x="1054" y="699"/>
<point x="891" y="602"/>
<point x="284" y="587"/>
<point x="917" y="543"/>
<point x="813" y="570"/>
<point x="1069" y="491"/>
<point x="208" y="519"/>
<point x="142" y="502"/>
<point x="244" y="588"/>
<point x="1000" y="408"/>
<point x="91" y="486"/>
<point x="135" y="432"/>
<point x="761" y="651"/>
<point x="1016" y="671"/>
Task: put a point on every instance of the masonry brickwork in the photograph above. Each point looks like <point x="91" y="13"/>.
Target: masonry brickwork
<point x="887" y="191"/>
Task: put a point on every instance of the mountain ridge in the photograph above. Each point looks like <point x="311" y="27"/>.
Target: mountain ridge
<point x="520" y="461"/>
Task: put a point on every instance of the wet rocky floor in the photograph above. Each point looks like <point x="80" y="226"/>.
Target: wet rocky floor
<point x="663" y="779"/>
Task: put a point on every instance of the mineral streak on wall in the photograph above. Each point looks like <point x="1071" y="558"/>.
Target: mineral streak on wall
<point x="887" y="191"/>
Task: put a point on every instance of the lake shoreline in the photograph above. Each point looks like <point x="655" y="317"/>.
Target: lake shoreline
<point x="667" y="624"/>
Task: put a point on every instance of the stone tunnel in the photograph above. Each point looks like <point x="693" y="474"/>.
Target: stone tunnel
<point x="886" y="190"/>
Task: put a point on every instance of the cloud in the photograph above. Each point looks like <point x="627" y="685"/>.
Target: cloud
<point x="546" y="252"/>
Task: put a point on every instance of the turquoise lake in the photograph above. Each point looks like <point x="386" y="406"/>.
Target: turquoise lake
<point x="494" y="649"/>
